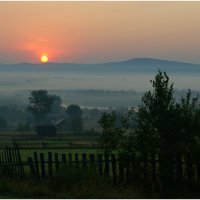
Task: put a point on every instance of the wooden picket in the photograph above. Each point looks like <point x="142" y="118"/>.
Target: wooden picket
<point x="100" y="164"/>
<point x="37" y="173"/>
<point x="10" y="162"/>
<point x="50" y="167"/>
<point x="43" y="171"/>
<point x="124" y="169"/>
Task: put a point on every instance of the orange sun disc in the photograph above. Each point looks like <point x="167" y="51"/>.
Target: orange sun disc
<point x="44" y="59"/>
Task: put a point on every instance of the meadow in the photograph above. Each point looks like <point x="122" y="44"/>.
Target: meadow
<point x="28" y="143"/>
<point x="66" y="183"/>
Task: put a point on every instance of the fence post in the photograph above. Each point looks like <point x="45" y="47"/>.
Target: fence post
<point x="153" y="170"/>
<point x="37" y="173"/>
<point x="189" y="171"/>
<point x="21" y="168"/>
<point x="6" y="156"/>
<point x="31" y="166"/>
<point x="76" y="161"/>
<point x="70" y="159"/>
<point x="56" y="162"/>
<point x="43" y="173"/>
<point x="106" y="169"/>
<point x="179" y="167"/>
<point x="64" y="159"/>
<point x="145" y="173"/>
<point x="114" y="171"/>
<point x="11" y="163"/>
<point x="3" y="158"/>
<point x="50" y="164"/>
<point x="121" y="168"/>
<point x="198" y="166"/>
<point x="92" y="165"/>
<point x="100" y="164"/>
<point x="92" y="159"/>
<point x="1" y="165"/>
<point x="14" y="161"/>
<point x="132" y="163"/>
<point x="128" y="166"/>
<point x="7" y="161"/>
<point x="84" y="161"/>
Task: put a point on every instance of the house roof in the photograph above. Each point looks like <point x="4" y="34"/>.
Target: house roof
<point x="47" y="122"/>
<point x="50" y="122"/>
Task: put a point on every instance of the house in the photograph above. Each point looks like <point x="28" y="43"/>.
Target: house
<point x="48" y="128"/>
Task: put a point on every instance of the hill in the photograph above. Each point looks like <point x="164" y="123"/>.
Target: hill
<point x="136" y="64"/>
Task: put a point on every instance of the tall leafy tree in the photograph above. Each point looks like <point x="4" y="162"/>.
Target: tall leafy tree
<point x="118" y="133"/>
<point x="189" y="123"/>
<point x="156" y="115"/>
<point x="3" y="123"/>
<point x="74" y="113"/>
<point x="56" y="105"/>
<point x="157" y="124"/>
<point x="165" y="127"/>
<point x="40" y="103"/>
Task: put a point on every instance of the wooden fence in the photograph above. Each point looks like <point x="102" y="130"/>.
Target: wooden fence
<point x="10" y="162"/>
<point x="119" y="168"/>
<point x="103" y="164"/>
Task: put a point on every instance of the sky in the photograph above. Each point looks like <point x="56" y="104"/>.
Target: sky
<point x="98" y="32"/>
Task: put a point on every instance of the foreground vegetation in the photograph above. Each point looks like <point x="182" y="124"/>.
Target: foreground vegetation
<point x="157" y="147"/>
<point x="166" y="127"/>
<point x="72" y="188"/>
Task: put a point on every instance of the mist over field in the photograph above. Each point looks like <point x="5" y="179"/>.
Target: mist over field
<point x="133" y="74"/>
<point x="94" y="85"/>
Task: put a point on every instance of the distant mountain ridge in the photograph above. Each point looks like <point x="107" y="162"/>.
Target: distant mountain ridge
<point x="127" y="61"/>
<point x="153" y="60"/>
<point x="123" y="75"/>
<point x="135" y="64"/>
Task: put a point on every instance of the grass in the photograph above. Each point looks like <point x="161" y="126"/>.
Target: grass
<point x="69" y="184"/>
<point x="30" y="140"/>
<point x="55" y="188"/>
<point x="29" y="153"/>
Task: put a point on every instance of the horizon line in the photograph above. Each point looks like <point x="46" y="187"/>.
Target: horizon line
<point x="106" y="62"/>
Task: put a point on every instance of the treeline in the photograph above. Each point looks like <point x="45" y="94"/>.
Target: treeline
<point x="20" y="119"/>
<point x="43" y="107"/>
<point x="163" y="126"/>
<point x="97" y="98"/>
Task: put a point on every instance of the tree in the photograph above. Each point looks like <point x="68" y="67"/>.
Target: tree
<point x="168" y="128"/>
<point x="110" y="137"/>
<point x="56" y="105"/>
<point x="74" y="113"/>
<point x="156" y="115"/>
<point x="21" y="127"/>
<point x="189" y="123"/>
<point x="40" y="104"/>
<point x="164" y="126"/>
<point x="118" y="132"/>
<point x="3" y="123"/>
<point x="156" y="130"/>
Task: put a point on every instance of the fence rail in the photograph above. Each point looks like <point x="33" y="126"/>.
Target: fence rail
<point x="119" y="168"/>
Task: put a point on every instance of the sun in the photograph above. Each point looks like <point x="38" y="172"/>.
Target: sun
<point x="44" y="58"/>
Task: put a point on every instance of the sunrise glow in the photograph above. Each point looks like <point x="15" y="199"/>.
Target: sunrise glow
<point x="44" y="59"/>
<point x="98" y="32"/>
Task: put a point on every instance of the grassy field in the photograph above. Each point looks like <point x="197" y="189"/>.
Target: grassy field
<point x="69" y="184"/>
<point x="28" y="143"/>
<point x="25" y="153"/>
